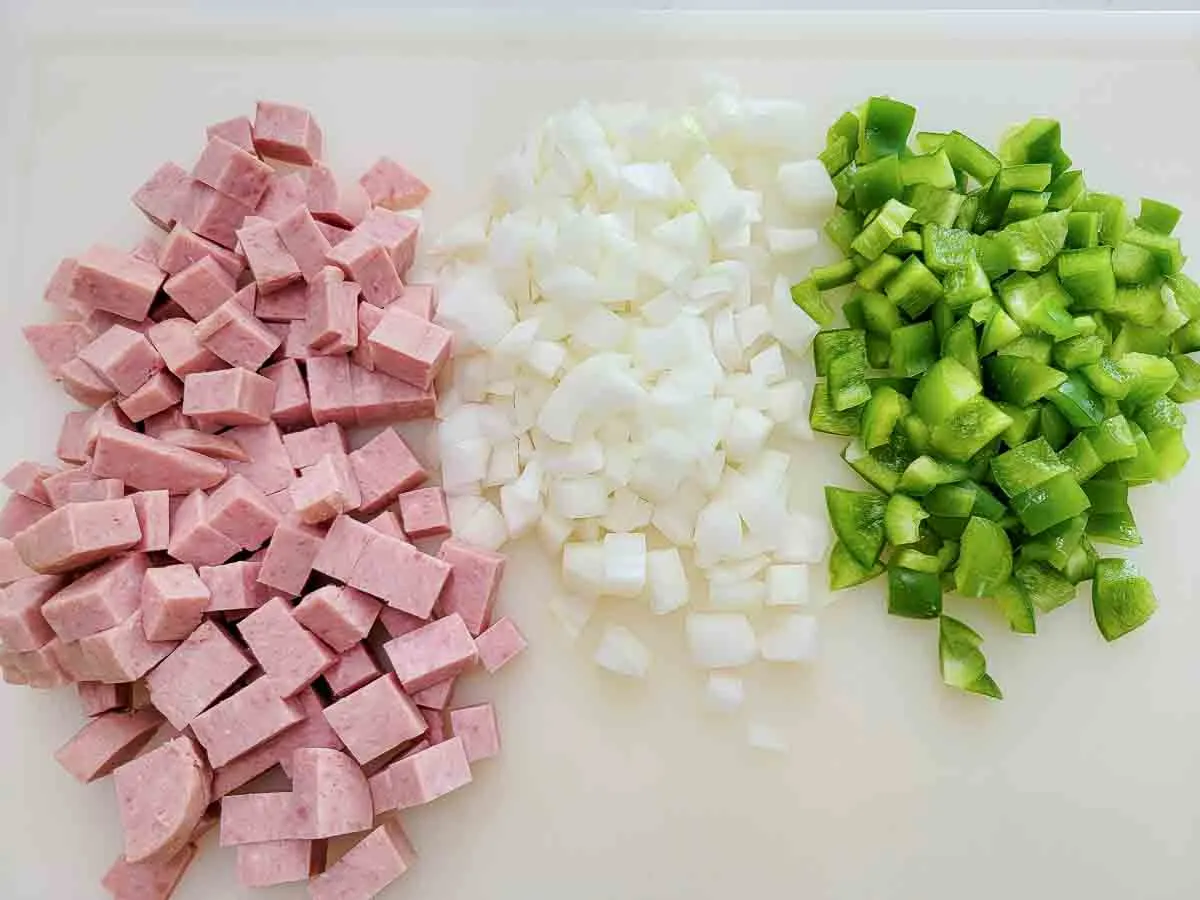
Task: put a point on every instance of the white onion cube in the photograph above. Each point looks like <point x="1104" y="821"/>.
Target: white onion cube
<point x="579" y="498"/>
<point x="624" y="564"/>
<point x="787" y="585"/>
<point x="583" y="566"/>
<point x="621" y="652"/>
<point x="720" y="640"/>
<point x="667" y="582"/>
<point x="726" y="693"/>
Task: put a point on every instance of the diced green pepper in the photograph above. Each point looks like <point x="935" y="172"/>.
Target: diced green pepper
<point x="1187" y="387"/>
<point x="958" y="343"/>
<point x="830" y="344"/>
<point x="909" y="242"/>
<point x="881" y="467"/>
<point x="1022" y="381"/>
<point x="1054" y="500"/>
<point x="1132" y="264"/>
<point x="929" y="141"/>
<point x="1114" y="528"/>
<point x="984" y="558"/>
<point x="1142" y="468"/>
<point x="1075" y="399"/>
<point x="1066" y="189"/>
<point x="913" y="288"/>
<point x="1045" y="587"/>
<point x="913" y="559"/>
<point x="1020" y="293"/>
<point x="968" y="429"/>
<point x="807" y="296"/>
<point x="879" y="272"/>
<point x="827" y="420"/>
<point x="1107" y="378"/>
<point x="1165" y="249"/>
<point x="1160" y="413"/>
<point x="1114" y="220"/>
<point x="883" y="411"/>
<point x="1157" y="216"/>
<point x="1083" y="230"/>
<point x="914" y="349"/>
<point x="857" y="520"/>
<point x="1033" y="243"/>
<point x="1016" y="606"/>
<point x="1054" y="426"/>
<point x="981" y="311"/>
<point x="886" y="227"/>
<point x="884" y="125"/>
<point x="1186" y="293"/>
<point x="1037" y="348"/>
<point x="875" y="183"/>
<point x="845" y="571"/>
<point x="970" y="157"/>
<point x="1150" y="377"/>
<point x="1080" y="458"/>
<point x="1078" y="352"/>
<point x="933" y="169"/>
<point x="1026" y="467"/>
<point x="847" y="377"/>
<point x="1122" y="598"/>
<point x="1055" y="545"/>
<point x="934" y="205"/>
<point x="1025" y="205"/>
<point x="1037" y="141"/>
<point x="1139" y="339"/>
<point x="944" y="388"/>
<point x="1087" y="275"/>
<point x="913" y="594"/>
<point x="953" y="501"/>
<point x="967" y="283"/>
<point x="916" y="432"/>
<point x="1112" y="440"/>
<point x="902" y="520"/>
<point x="880" y="315"/>
<point x="1187" y="338"/>
<point x="961" y="661"/>
<point x="925" y="473"/>
<point x="999" y="331"/>
<point x="946" y="249"/>
<point x="842" y="228"/>
<point x="1172" y="452"/>
<point x="1025" y="422"/>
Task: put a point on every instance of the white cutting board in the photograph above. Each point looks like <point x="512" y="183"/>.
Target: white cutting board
<point x="1083" y="783"/>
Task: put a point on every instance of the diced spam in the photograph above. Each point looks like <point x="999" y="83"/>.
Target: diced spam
<point x="375" y="718"/>
<point x="196" y="673"/>
<point x="340" y="616"/>
<point x="353" y="669"/>
<point x="440" y="650"/>
<point x="385" y="468"/>
<point x="408" y="347"/>
<point x="243" y="721"/>
<point x="233" y="171"/>
<point x="201" y="287"/>
<point x="78" y="534"/>
<point x="473" y="584"/>
<point x="103" y="598"/>
<point x="158" y="197"/>
<point x="268" y="863"/>
<point x="112" y="280"/>
<point x="400" y="575"/>
<point x="368" y="867"/>
<point x="173" y="601"/>
<point x="107" y="741"/>
<point x="161" y="797"/>
<point x="390" y="185"/>
<point x="23" y="627"/>
<point x="291" y="656"/>
<point x="122" y="357"/>
<point x="476" y="725"/>
<point x="287" y="133"/>
<point x="147" y="464"/>
<point x="234" y="396"/>
<point x="332" y="796"/>
<point x="423" y="513"/>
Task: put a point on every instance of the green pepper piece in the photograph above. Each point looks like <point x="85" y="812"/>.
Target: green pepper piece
<point x="1107" y="495"/>
<point x="1187" y="338"/>
<point x="879" y="272"/>
<point x="1083" y="230"/>
<point x="1114" y="528"/>
<point x="1034" y="243"/>
<point x="1016" y="607"/>
<point x="993" y="254"/>
<point x="960" y="660"/>
<point x="913" y="559"/>
<point x="1037" y="348"/>
<point x="1025" y="467"/>
<point x="847" y="382"/>
<point x="1054" y="426"/>
<point x="1055" y="545"/>
<point x="946" y="249"/>
<point x="933" y="169"/>
<point x="1087" y="275"/>
<point x="916" y="432"/>
<point x="827" y="420"/>
<point x="1172" y="452"/>
<point x="913" y="594"/>
<point x="959" y="343"/>
<point x="881" y="467"/>
<point x="913" y="288"/>
<point x="1139" y="339"/>
<point x="857" y="520"/>
<point x="1054" y="500"/>
<point x="1165" y="249"/>
<point x="1112" y="440"/>
<point x="837" y="157"/>
<point x="1025" y="422"/>
<point x="1081" y="458"/>
<point x="1150" y="377"/>
<point x="1141" y="305"/>
<point x="1186" y="293"/>
<point x="1046" y="588"/>
<point x="954" y="501"/>
<point x="981" y="311"/>
<point x="1107" y="378"/>
<point x="835" y="342"/>
<point x="1114" y="219"/>
<point x="1142" y="468"/>
<point x="845" y="571"/>
<point x="934" y="205"/>
<point x="986" y="505"/>
<point x="1132" y="264"/>
<point x="984" y="558"/>
<point x="884" y="125"/>
<point x="1051" y="317"/>
<point x="875" y="183"/>
<point x="968" y="428"/>
<point x="929" y="141"/>
<point x="1066" y="189"/>
<point x="925" y="473"/>
<point x="882" y="230"/>
<point x="881" y="415"/>
<point x="944" y="388"/>
<point x="902" y="520"/>
<point x="999" y="331"/>
<point x="947" y="529"/>
<point x="807" y="296"/>
<point x="1160" y="413"/>
<point x="880" y="315"/>
<point x="967" y="283"/>
<point x="908" y="243"/>
<point x="842" y="228"/>
<point x="914" y="349"/>
<point x="970" y="157"/>
<point x="1019" y="293"/>
<point x="1021" y="381"/>
<point x="1025" y="205"/>
<point x="1158" y="216"/>
<point x="1187" y="387"/>
<point x="1075" y="399"/>
<point x="1122" y="599"/>
<point x="1037" y="141"/>
<point x="1078" y="352"/>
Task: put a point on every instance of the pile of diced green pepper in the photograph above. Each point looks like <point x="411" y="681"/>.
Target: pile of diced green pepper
<point x="1015" y="355"/>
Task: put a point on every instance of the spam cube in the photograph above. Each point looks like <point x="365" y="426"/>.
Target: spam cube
<point x="419" y="299"/>
<point x="201" y="287"/>
<point x="22" y="625"/>
<point x="211" y="214"/>
<point x="112" y="280"/>
<point x="228" y="397"/>
<point x="25" y="478"/>
<point x="395" y="622"/>
<point x="289" y="557"/>
<point x="124" y="358"/>
<point x="472" y="589"/>
<point x="108" y="741"/>
<point x="286" y="133"/>
<point x="385" y="467"/>
<point x="288" y="304"/>
<point x="95" y="489"/>
<point x="183" y="247"/>
<point x="344" y="544"/>
<point x="387" y="522"/>
<point x="153" y="511"/>
<point x="77" y="535"/>
<point x="174" y="600"/>
<point x="104" y="597"/>
<point x="401" y="575"/>
<point x="326" y="489"/>
<point x="333" y="202"/>
<point x="20" y="512"/>
<point x="476" y="725"/>
<point x="353" y="669"/>
<point x="234" y="587"/>
<point x="368" y="867"/>
<point x="57" y="343"/>
<point x="160" y="393"/>
<point x="331" y="390"/>
<point x="429" y="774"/>
<point x="81" y="383"/>
<point x="305" y="242"/>
<point x="390" y="185"/>
<point x="431" y="654"/>
<point x="196" y="673"/>
<point x="236" y="335"/>
<point x="161" y="798"/>
<point x="367" y="262"/>
<point x="269" y="260"/>
<point x="268" y="467"/>
<point x="305" y="448"/>
<point x="244" y="720"/>
<point x="254" y="818"/>
<point x="331" y="326"/>
<point x="291" y="409"/>
<point x="182" y="353"/>
<point x="331" y="793"/>
<point x="237" y="131"/>
<point x="96" y="698"/>
<point x="339" y="616"/>
<point x="375" y="719"/>
<point x="267" y="863"/>
<point x="193" y="539"/>
<point x="423" y="513"/>
<point x="158" y="198"/>
<point x="148" y="464"/>
<point x="499" y="644"/>
<point x="122" y="653"/>
<point x="397" y="233"/>
<point x="292" y="657"/>
<point x="368" y="317"/>
<point x="243" y="513"/>
<point x="284" y="193"/>
<point x="409" y="348"/>
<point x="230" y="169"/>
<point x="436" y="697"/>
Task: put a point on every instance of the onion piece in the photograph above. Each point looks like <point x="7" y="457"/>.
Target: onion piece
<point x="621" y="652"/>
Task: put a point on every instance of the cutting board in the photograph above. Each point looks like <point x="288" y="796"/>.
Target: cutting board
<point x="1082" y="783"/>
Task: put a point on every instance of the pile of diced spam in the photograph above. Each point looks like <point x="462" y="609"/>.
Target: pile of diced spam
<point x="220" y="576"/>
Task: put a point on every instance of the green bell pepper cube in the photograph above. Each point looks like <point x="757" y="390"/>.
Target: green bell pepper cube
<point x="1161" y="413"/>
<point x="1142" y="468"/>
<point x="902" y="520"/>
<point x="1037" y="141"/>
<point x="883" y="128"/>
<point x="914" y="594"/>
<point x="981" y="311"/>
<point x="1016" y="607"/>
<point x="881" y="467"/>
<point x="1132" y="264"/>
<point x="986" y="506"/>
<point x="1187" y="387"/>
<point x="1024" y="426"/>
<point x="1165" y="249"/>
<point x="886" y="227"/>
<point x="1078" y="352"/>
<point x="827" y="420"/>
<point x="934" y="205"/>
<point x="970" y="157"/>
<point x="1075" y="399"/>
<point x="1054" y="500"/>
<point x="843" y="181"/>
<point x="933" y="169"/>
<point x="993" y="254"/>
<point x="1157" y="216"/>
<point x="857" y="520"/>
<point x="1107" y="378"/>
<point x="882" y="413"/>
<point x="1150" y="376"/>
<point x="807" y="296"/>
<point x="1021" y="381"/>
<point x="999" y="331"/>
<point x="1132" y="338"/>
<point x="826" y="278"/>
<point x="1087" y="275"/>
<point x="944" y="388"/>
<point x="1122" y="599"/>
<point x="946" y="249"/>
<point x="925" y="473"/>
<point x="1054" y="426"/>
<point x="1045" y="587"/>
<point x="1037" y="348"/>
<point x="830" y="344"/>
<point x="852" y="310"/>
<point x="879" y="351"/>
<point x="953" y="501"/>
<point x="1112" y="440"/>
<point x="968" y="429"/>
<point x="985" y="558"/>
<point x="960" y="660"/>
<point x="879" y="314"/>
<point x="876" y="183"/>
<point x="968" y="212"/>
<point x="916" y="433"/>
<point x="947" y="528"/>
<point x="1081" y="458"/>
<point x="967" y="283"/>
<point x="838" y="156"/>
<point x="1034" y="243"/>
<point x="1019" y="293"/>
<point x="1082" y="563"/>
<point x="1172" y="452"/>
<point x="914" y="349"/>
<point x="916" y="561"/>
<point x="1141" y="305"/>
<point x="1054" y="546"/>
<point x="1186" y="293"/>
<point x="1025" y="467"/>
<point x="845" y="571"/>
<point x="847" y="379"/>
<point x="929" y="141"/>
<point x="1117" y="528"/>
<point x="846" y="127"/>
<point x="1187" y="338"/>
<point x="1114" y="219"/>
<point x="1083" y="230"/>
<point x="1051" y="317"/>
<point x="959" y="343"/>
<point x="1067" y="189"/>
<point x="842" y="228"/>
<point x="876" y="274"/>
<point x="913" y="288"/>
<point x="908" y="243"/>
<point x="943" y="318"/>
<point x="1107" y="495"/>
<point x="1025" y="205"/>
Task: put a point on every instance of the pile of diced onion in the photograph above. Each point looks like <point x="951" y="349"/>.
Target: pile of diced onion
<point x="627" y="381"/>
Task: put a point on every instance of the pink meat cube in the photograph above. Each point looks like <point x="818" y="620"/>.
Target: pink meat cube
<point x="196" y="673"/>
<point x="236" y="131"/>
<point x="471" y="591"/>
<point x="375" y="719"/>
<point x="326" y="489"/>
<point x="234" y="586"/>
<point x="269" y="260"/>
<point x="305" y="448"/>
<point x="158" y="198"/>
<point x="284" y="193"/>
<point x="500" y="644"/>
<point x="344" y="544"/>
<point x="242" y="512"/>
<point x="201" y="287"/>
<point x="438" y="651"/>
<point x="124" y="358"/>
<point x="335" y="234"/>
<point x="339" y="616"/>
<point x="81" y="383"/>
<point x="57" y="343"/>
<point x="159" y="393"/>
<point x="97" y="489"/>
<point x="147" y="249"/>
<point x="397" y="232"/>
<point x="368" y="867"/>
<point x="181" y="350"/>
<point x="183" y="247"/>
<point x="289" y="653"/>
<point x="22" y="625"/>
<point x="235" y="335"/>
<point x="12" y="567"/>
<point x="367" y="262"/>
<point x="295" y="338"/>
<point x="385" y="467"/>
<point x="20" y="512"/>
<point x="193" y="539"/>
<point x="389" y="184"/>
<point x="108" y="415"/>
<point x="228" y="397"/>
<point x="161" y="798"/>
<point x="269" y="467"/>
<point x="107" y="741"/>
<point x="476" y="725"/>
<point x="291" y="409"/>
<point x="26" y="478"/>
<point x="409" y="347"/>
<point x="96" y="698"/>
<point x="151" y="880"/>
<point x="122" y="653"/>
<point x="402" y="576"/>
<point x="432" y="773"/>
<point x="289" y="558"/>
<point x="436" y="697"/>
<point x="288" y="304"/>
<point x="148" y="464"/>
<point x="387" y="522"/>
<point x="77" y="535"/>
<point x="419" y="299"/>
<point x="331" y="326"/>
<point x="286" y="133"/>
<point x="380" y="399"/>
<point x="35" y="668"/>
<point x="268" y="863"/>
<point x="174" y="600"/>
<point x="210" y="213"/>
<point x="423" y="513"/>
<point x="335" y="202"/>
<point x="353" y="669"/>
<point x="243" y="721"/>
<point x="101" y="599"/>
<point x="57" y="487"/>
<point x="331" y="390"/>
<point x="304" y="241"/>
<point x="233" y="171"/>
<point x="153" y="511"/>
<point x="331" y="793"/>
<point x="368" y="318"/>
<point x="58" y="289"/>
<point x="254" y="818"/>
<point x="396" y="622"/>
